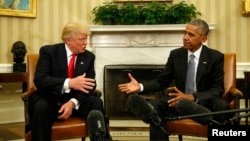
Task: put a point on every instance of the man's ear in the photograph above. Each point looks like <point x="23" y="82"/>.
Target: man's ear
<point x="204" y="39"/>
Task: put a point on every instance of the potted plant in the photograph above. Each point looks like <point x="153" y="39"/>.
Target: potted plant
<point x="108" y="13"/>
<point x="130" y="14"/>
<point x="181" y="13"/>
<point x="154" y="12"/>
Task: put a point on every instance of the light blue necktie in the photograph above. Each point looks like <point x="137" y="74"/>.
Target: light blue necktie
<point x="190" y="75"/>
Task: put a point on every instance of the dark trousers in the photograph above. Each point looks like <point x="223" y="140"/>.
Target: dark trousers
<point x="157" y="134"/>
<point x="161" y="105"/>
<point x="44" y="111"/>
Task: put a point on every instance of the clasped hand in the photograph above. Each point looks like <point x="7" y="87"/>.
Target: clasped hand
<point x="176" y="95"/>
<point x="82" y="83"/>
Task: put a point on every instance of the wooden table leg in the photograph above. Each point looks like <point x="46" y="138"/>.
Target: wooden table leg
<point x="246" y="105"/>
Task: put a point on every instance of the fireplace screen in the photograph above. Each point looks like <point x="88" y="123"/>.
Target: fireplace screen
<point x="116" y="101"/>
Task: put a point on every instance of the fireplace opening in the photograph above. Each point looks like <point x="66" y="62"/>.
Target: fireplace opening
<point x="116" y="101"/>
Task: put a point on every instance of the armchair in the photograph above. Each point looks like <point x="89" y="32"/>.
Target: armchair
<point x="231" y="95"/>
<point x="71" y="128"/>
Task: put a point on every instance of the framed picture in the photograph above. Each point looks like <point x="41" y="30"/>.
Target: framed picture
<point x="18" y="8"/>
<point x="140" y="0"/>
<point x="246" y="8"/>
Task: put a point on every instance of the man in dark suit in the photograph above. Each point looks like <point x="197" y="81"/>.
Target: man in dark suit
<point x="58" y="95"/>
<point x="208" y="84"/>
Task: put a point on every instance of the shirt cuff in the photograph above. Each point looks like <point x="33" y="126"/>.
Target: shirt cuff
<point x="141" y="87"/>
<point x="75" y="101"/>
<point x="66" y="88"/>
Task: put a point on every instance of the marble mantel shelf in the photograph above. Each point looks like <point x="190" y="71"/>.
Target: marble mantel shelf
<point x="137" y="28"/>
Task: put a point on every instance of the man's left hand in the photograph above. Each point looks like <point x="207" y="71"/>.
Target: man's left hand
<point x="66" y="110"/>
<point x="178" y="95"/>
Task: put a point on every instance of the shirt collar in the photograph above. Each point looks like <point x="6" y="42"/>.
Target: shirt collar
<point x="197" y="53"/>
<point x="69" y="53"/>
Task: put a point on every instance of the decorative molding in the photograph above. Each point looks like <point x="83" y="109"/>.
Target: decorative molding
<point x="140" y="28"/>
<point x="6" y="68"/>
<point x="110" y="36"/>
<point x="241" y="67"/>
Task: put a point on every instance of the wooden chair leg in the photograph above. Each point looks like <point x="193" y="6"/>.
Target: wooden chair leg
<point x="180" y="137"/>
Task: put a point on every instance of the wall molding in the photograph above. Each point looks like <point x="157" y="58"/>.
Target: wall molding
<point x="241" y="67"/>
<point x="6" y="68"/>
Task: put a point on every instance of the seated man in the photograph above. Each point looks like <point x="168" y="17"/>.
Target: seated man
<point x="201" y="88"/>
<point x="64" y="91"/>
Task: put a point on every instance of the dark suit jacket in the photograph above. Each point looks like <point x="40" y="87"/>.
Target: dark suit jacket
<point x="209" y="77"/>
<point x="52" y="69"/>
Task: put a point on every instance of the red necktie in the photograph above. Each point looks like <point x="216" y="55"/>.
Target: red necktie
<point x="71" y="66"/>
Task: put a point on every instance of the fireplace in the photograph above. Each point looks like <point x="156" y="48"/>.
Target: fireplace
<point x="116" y="101"/>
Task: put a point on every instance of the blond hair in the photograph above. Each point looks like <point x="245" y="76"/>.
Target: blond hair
<point x="73" y="28"/>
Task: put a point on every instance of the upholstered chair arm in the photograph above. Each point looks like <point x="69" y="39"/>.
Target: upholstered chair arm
<point x="235" y="94"/>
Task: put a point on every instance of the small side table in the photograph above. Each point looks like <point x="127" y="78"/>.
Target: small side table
<point x="247" y="91"/>
<point x="15" y="77"/>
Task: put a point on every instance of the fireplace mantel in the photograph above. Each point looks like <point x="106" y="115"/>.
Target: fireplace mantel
<point x="115" y="36"/>
<point x="143" y="28"/>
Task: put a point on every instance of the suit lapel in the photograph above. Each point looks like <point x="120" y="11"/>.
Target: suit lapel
<point x="62" y="59"/>
<point x="183" y="63"/>
<point x="79" y="65"/>
<point x="202" y="65"/>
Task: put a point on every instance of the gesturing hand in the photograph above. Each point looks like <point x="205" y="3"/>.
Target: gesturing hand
<point x="132" y="86"/>
<point x="82" y="83"/>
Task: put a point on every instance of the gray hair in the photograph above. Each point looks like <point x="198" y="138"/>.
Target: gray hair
<point x="203" y="26"/>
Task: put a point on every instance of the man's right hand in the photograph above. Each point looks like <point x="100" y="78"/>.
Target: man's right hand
<point x="131" y="87"/>
<point x="177" y="95"/>
<point x="82" y="83"/>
